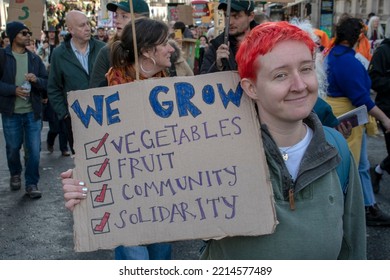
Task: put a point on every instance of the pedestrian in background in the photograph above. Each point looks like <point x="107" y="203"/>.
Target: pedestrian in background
<point x="379" y="71"/>
<point x="71" y="66"/>
<point x="56" y="126"/>
<point x="185" y="31"/>
<point x="179" y="66"/>
<point x="4" y="40"/>
<point x="53" y="38"/>
<point x="101" y="34"/>
<point x="203" y="46"/>
<point x="349" y="88"/>
<point x="374" y="29"/>
<point x="375" y="32"/>
<point x="22" y="86"/>
<point x="241" y="22"/>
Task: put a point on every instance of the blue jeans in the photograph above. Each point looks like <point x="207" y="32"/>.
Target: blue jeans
<point x="364" y="173"/>
<point x="158" y="251"/>
<point x="18" y="128"/>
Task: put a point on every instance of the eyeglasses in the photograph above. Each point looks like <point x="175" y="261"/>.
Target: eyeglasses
<point x="24" y="33"/>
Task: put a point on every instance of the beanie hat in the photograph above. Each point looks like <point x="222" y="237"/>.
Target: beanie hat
<point x="13" y="28"/>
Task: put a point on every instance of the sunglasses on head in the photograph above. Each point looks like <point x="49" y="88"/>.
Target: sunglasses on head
<point x="24" y="33"/>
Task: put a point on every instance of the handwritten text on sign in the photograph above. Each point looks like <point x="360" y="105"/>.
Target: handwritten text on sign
<point x="169" y="159"/>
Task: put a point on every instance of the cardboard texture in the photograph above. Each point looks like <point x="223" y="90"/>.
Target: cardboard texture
<point x="30" y="12"/>
<point x="188" y="46"/>
<point x="185" y="14"/>
<point x="219" y="22"/>
<point x="169" y="159"/>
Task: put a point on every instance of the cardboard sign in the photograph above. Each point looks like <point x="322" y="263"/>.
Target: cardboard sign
<point x="185" y="14"/>
<point x="169" y="159"/>
<point x="219" y="22"/>
<point x="30" y="12"/>
<point x="188" y="46"/>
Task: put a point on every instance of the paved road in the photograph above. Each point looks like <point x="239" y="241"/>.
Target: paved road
<point x="42" y="229"/>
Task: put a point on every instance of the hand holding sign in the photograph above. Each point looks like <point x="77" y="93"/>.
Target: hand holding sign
<point x="171" y="157"/>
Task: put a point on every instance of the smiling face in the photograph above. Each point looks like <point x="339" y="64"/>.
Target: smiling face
<point x="162" y="55"/>
<point x="285" y="88"/>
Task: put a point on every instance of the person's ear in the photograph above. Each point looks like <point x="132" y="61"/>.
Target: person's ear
<point x="146" y="53"/>
<point x="252" y="16"/>
<point x="249" y="87"/>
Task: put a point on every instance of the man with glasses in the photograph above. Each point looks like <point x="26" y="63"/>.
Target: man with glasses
<point x="221" y="56"/>
<point x="21" y="106"/>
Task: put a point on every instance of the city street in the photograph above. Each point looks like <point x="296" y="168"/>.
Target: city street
<point x="42" y="229"/>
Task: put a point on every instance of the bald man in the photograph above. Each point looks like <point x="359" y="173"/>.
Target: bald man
<point x="71" y="65"/>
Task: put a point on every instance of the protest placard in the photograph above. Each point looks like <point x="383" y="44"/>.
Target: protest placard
<point x="169" y="159"/>
<point x="185" y="14"/>
<point x="30" y="12"/>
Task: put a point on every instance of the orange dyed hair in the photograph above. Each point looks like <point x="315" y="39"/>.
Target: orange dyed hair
<point x="262" y="39"/>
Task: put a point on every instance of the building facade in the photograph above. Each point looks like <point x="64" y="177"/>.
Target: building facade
<point x="320" y="11"/>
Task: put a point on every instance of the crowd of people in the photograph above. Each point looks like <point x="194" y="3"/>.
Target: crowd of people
<point x="299" y="81"/>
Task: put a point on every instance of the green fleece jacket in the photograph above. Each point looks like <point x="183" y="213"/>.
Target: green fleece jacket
<point x="67" y="74"/>
<point x="326" y="224"/>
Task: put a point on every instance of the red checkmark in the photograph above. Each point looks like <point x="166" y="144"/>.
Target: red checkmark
<point x="101" y="143"/>
<point x="102" y="195"/>
<point x="99" y="172"/>
<point x="103" y="222"/>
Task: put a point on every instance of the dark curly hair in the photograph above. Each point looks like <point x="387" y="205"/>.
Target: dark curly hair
<point x="348" y="30"/>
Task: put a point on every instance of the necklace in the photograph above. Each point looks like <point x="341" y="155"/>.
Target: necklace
<point x="285" y="151"/>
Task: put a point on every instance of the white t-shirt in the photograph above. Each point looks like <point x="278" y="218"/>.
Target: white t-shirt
<point x="295" y="153"/>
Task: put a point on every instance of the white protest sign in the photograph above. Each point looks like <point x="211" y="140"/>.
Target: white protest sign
<point x="169" y="159"/>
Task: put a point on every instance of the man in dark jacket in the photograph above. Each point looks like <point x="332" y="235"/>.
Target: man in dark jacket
<point x="21" y="106"/>
<point x="379" y="71"/>
<point x="219" y="56"/>
<point x="71" y="65"/>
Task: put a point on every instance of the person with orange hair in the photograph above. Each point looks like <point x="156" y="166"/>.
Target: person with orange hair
<point x="317" y="220"/>
<point x="324" y="38"/>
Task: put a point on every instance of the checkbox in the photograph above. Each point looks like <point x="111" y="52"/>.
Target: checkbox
<point x="101" y="225"/>
<point x="99" y="172"/>
<point x="96" y="148"/>
<point x="102" y="197"/>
